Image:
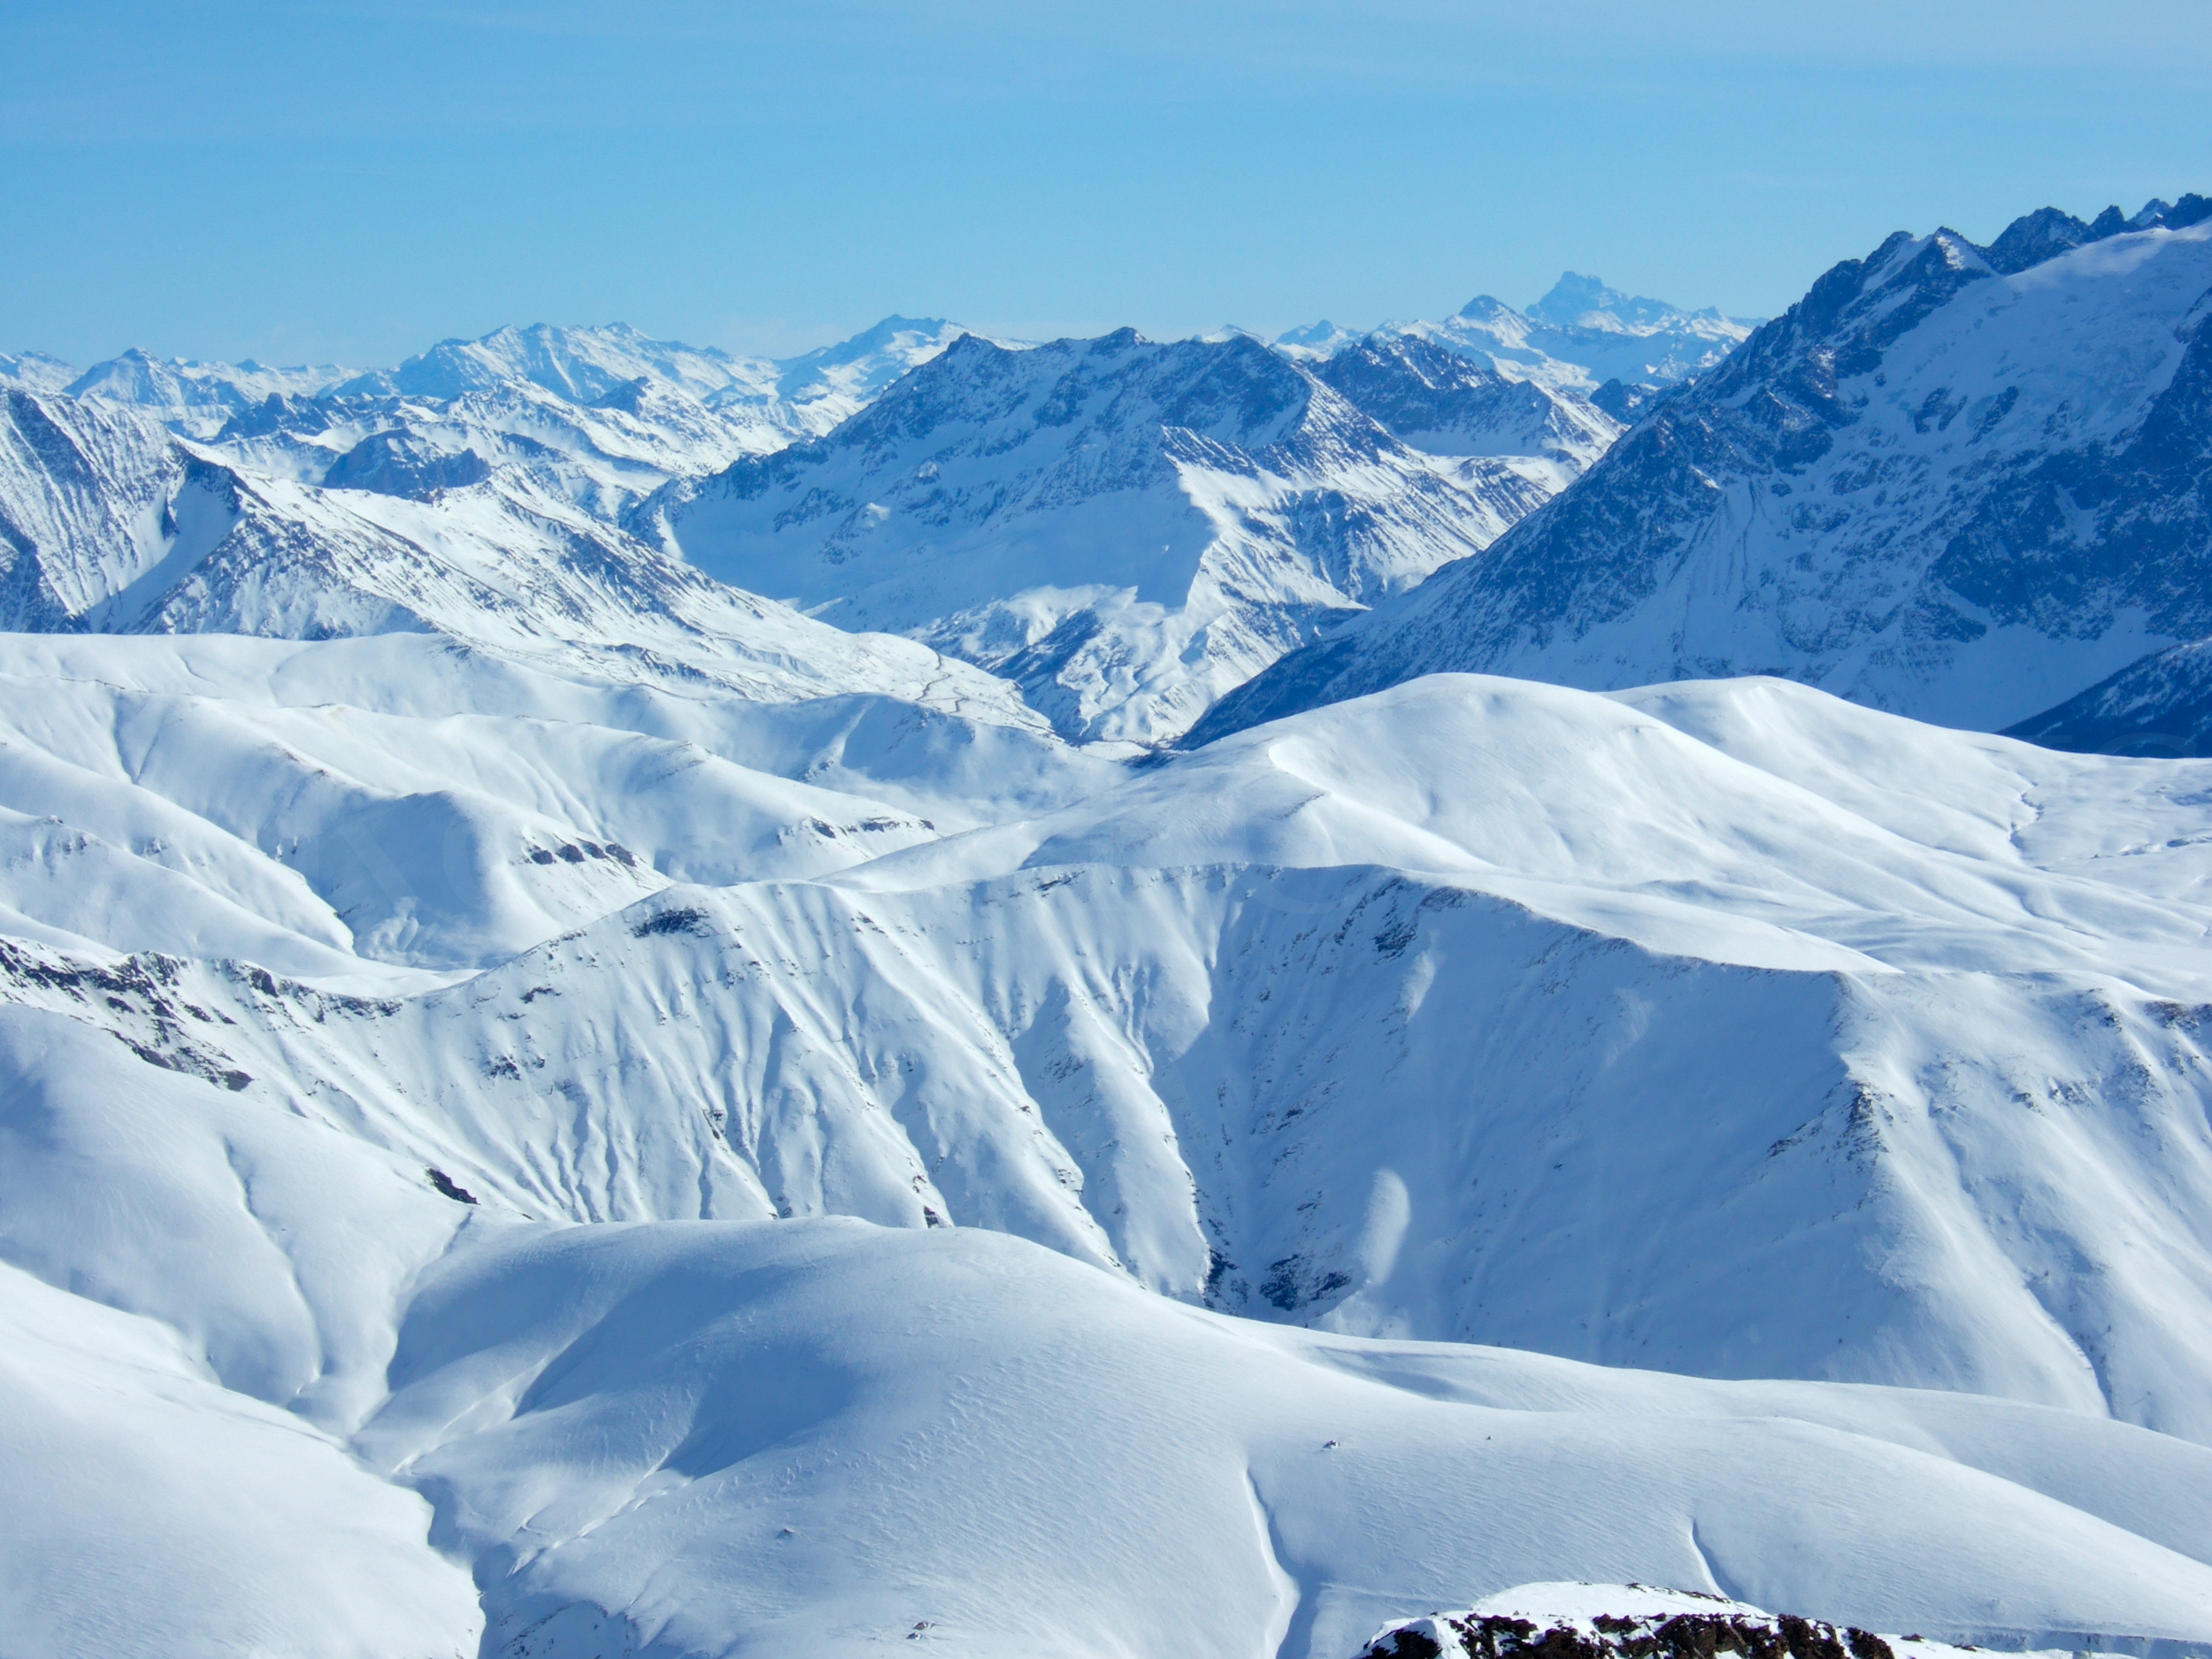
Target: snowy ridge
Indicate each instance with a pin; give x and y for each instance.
(1957, 494)
(1006, 505)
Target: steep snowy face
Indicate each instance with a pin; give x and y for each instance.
(1122, 528)
(86, 504)
(1930, 488)
(2160, 705)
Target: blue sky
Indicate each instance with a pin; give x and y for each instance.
(351, 181)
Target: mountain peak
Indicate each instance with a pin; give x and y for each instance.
(1576, 298)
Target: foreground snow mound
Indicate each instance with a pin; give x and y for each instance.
(697, 1437)
(1128, 529)
(195, 1310)
(1960, 490)
(710, 1437)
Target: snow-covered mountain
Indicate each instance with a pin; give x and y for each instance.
(1932, 486)
(1143, 1019)
(34, 371)
(1126, 529)
(114, 527)
(195, 398)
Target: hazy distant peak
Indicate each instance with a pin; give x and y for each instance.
(1576, 299)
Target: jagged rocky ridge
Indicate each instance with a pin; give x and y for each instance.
(1933, 486)
(1681, 1636)
(1126, 529)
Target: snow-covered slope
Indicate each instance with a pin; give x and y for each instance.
(1934, 487)
(1958, 1140)
(1126, 529)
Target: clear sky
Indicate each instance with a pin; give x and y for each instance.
(348, 183)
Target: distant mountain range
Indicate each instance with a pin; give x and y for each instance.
(1617, 349)
(1952, 482)
(1282, 491)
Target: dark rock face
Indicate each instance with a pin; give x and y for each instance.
(1679, 1636)
(1785, 515)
